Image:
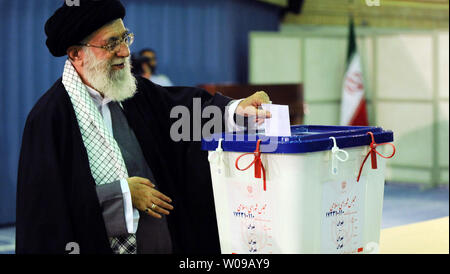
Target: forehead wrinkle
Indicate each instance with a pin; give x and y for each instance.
(110, 31)
(116, 35)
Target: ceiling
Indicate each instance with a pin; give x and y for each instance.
(423, 14)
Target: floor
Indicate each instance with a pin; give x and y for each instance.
(428, 237)
(403, 205)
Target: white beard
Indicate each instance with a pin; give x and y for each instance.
(117, 85)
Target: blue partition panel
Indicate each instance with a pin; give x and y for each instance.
(197, 41)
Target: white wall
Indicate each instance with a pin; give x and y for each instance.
(406, 83)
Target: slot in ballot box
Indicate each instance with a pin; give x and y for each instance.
(317, 191)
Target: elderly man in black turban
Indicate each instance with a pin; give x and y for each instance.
(99, 171)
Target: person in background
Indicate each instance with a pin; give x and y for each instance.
(140, 66)
(159, 79)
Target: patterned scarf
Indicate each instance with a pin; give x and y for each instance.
(105, 159)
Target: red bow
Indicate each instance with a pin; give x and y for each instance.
(257, 162)
(373, 153)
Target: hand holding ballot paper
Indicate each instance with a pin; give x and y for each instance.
(249, 107)
(271, 117)
(279, 124)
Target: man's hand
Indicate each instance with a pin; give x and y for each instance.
(249, 107)
(144, 196)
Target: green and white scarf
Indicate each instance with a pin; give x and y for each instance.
(105, 159)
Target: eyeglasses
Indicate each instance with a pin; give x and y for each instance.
(127, 38)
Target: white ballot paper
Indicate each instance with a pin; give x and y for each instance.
(278, 124)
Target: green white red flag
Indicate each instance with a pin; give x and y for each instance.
(353, 103)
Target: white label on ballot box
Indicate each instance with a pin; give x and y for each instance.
(342, 216)
(252, 222)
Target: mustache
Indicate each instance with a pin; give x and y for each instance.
(119, 61)
(94, 63)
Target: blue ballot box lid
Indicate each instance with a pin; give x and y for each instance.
(305, 138)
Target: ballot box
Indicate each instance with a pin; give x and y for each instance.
(319, 190)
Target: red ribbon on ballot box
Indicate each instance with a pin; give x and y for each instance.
(257, 162)
(259, 167)
(373, 153)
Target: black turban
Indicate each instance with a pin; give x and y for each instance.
(69, 25)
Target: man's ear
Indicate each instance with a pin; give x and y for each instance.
(75, 54)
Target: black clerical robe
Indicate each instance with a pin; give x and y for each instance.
(56, 196)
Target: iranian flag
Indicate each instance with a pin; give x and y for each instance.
(353, 104)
